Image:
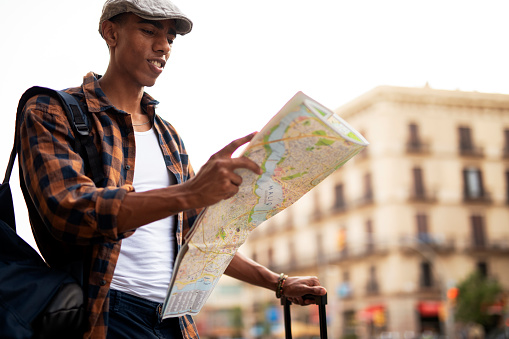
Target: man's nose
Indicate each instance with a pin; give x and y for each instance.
(163, 45)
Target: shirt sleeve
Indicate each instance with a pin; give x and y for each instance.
(72, 207)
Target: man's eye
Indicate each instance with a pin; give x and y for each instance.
(147, 31)
(170, 41)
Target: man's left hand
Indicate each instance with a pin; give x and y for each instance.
(295, 287)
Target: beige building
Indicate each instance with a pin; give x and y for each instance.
(422, 207)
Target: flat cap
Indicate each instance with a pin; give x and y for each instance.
(147, 9)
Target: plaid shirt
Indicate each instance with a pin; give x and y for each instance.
(67, 199)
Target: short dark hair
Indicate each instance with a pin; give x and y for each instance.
(119, 19)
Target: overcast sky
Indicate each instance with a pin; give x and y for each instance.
(245, 59)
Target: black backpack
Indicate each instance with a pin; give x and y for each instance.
(38, 301)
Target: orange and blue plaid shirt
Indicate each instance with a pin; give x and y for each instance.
(79, 212)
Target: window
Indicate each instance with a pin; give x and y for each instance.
(413, 130)
(465, 139)
(478, 232)
(368, 192)
(426, 274)
(292, 259)
(344, 288)
(418, 183)
(507, 187)
(346, 276)
(320, 254)
(339, 201)
(350, 324)
(317, 214)
(466, 145)
(422, 228)
(472, 182)
(506, 143)
(414, 142)
(482, 268)
(288, 223)
(372, 285)
(370, 242)
(270, 256)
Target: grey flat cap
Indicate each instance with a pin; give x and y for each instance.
(147, 9)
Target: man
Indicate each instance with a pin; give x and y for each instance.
(127, 233)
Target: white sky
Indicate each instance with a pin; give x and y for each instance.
(245, 59)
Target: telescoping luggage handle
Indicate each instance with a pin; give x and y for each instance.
(320, 300)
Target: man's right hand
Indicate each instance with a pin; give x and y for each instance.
(216, 180)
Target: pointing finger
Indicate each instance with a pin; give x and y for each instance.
(229, 149)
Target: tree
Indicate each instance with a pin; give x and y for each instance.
(475, 294)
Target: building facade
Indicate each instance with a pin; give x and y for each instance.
(390, 232)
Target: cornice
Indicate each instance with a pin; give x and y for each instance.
(424, 96)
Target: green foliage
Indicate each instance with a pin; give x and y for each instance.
(476, 293)
(237, 323)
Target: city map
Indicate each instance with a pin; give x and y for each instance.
(298, 148)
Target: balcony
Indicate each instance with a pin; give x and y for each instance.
(372, 287)
(417, 147)
(360, 252)
(495, 246)
(505, 152)
(365, 200)
(339, 208)
(471, 151)
(422, 196)
(482, 198)
(426, 242)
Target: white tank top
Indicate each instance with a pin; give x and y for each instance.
(145, 263)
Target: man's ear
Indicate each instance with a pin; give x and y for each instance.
(109, 33)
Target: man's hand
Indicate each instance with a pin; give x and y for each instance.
(216, 180)
(295, 287)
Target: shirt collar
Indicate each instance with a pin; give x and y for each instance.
(97, 100)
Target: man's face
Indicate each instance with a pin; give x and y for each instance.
(143, 48)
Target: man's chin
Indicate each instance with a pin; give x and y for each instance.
(149, 83)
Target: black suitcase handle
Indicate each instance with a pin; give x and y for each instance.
(320, 300)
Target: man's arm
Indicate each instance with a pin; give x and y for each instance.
(214, 182)
(247, 270)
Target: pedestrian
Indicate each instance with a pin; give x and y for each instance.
(127, 231)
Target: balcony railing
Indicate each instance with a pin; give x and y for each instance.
(339, 208)
(505, 152)
(361, 251)
(472, 151)
(372, 287)
(484, 198)
(482, 245)
(418, 147)
(422, 196)
(430, 241)
(365, 200)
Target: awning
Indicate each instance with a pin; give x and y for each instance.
(429, 308)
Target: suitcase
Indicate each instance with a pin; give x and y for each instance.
(320, 301)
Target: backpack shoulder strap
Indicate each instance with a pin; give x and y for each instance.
(79, 123)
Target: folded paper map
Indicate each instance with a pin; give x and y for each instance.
(298, 148)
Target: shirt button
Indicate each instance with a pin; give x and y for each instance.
(127, 167)
(102, 283)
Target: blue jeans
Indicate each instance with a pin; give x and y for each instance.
(134, 317)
